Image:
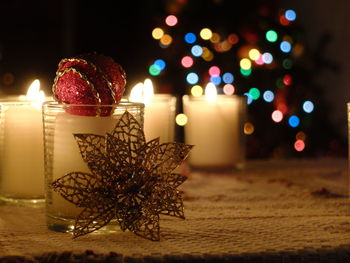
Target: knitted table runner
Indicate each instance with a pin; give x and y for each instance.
(289, 210)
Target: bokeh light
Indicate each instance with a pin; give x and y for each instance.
(300, 136)
(196, 50)
(287, 63)
(215, 38)
(187, 61)
(308, 106)
(228, 78)
(192, 78)
(197, 91)
(290, 15)
(271, 36)
(181, 119)
(228, 89)
(157, 33)
(285, 46)
(233, 39)
(246, 72)
(248, 128)
(190, 38)
(214, 71)
(245, 64)
(166, 40)
(160, 63)
(268, 96)
(206, 33)
(277, 116)
(260, 60)
(254, 54)
(249, 98)
(254, 93)
(294, 121)
(154, 70)
(216, 80)
(267, 58)
(171, 20)
(299, 145)
(287, 80)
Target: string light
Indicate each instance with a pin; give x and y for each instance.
(299, 145)
(277, 116)
(181, 119)
(192, 78)
(290, 15)
(157, 33)
(196, 50)
(187, 62)
(293, 121)
(197, 91)
(228, 78)
(171, 20)
(229, 89)
(206, 33)
(190, 38)
(308, 106)
(268, 96)
(271, 36)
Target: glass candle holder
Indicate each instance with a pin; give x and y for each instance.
(21, 152)
(160, 118)
(62, 154)
(216, 130)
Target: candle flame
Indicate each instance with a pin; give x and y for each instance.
(34, 93)
(210, 92)
(142, 92)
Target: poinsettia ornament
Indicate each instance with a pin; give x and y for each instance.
(131, 180)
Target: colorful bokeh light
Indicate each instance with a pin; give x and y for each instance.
(245, 64)
(254, 93)
(197, 50)
(249, 128)
(246, 72)
(268, 96)
(267, 58)
(249, 98)
(294, 121)
(299, 145)
(216, 80)
(214, 71)
(290, 15)
(277, 116)
(192, 78)
(285, 46)
(254, 54)
(228, 78)
(206, 33)
(228, 89)
(171, 20)
(308, 106)
(181, 119)
(160, 63)
(190, 38)
(187, 61)
(166, 40)
(197, 91)
(287, 80)
(157, 33)
(271, 36)
(154, 70)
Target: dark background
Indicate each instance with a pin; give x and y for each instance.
(36, 35)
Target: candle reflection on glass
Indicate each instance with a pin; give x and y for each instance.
(21, 147)
(215, 127)
(159, 118)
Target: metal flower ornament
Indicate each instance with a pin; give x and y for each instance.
(131, 181)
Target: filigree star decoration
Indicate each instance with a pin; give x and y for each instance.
(131, 181)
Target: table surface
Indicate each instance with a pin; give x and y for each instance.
(273, 210)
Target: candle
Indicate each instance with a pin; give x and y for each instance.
(215, 127)
(21, 148)
(62, 154)
(159, 111)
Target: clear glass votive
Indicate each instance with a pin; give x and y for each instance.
(160, 118)
(62, 154)
(216, 130)
(21, 153)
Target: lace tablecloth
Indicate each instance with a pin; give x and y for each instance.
(273, 211)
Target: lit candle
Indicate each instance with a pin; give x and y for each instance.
(215, 127)
(21, 147)
(159, 111)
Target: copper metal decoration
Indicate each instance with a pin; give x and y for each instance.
(131, 180)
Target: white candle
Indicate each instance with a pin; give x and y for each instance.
(215, 127)
(21, 148)
(62, 153)
(67, 156)
(159, 120)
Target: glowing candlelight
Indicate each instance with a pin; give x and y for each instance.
(159, 111)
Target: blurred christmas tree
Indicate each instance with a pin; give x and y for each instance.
(256, 49)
